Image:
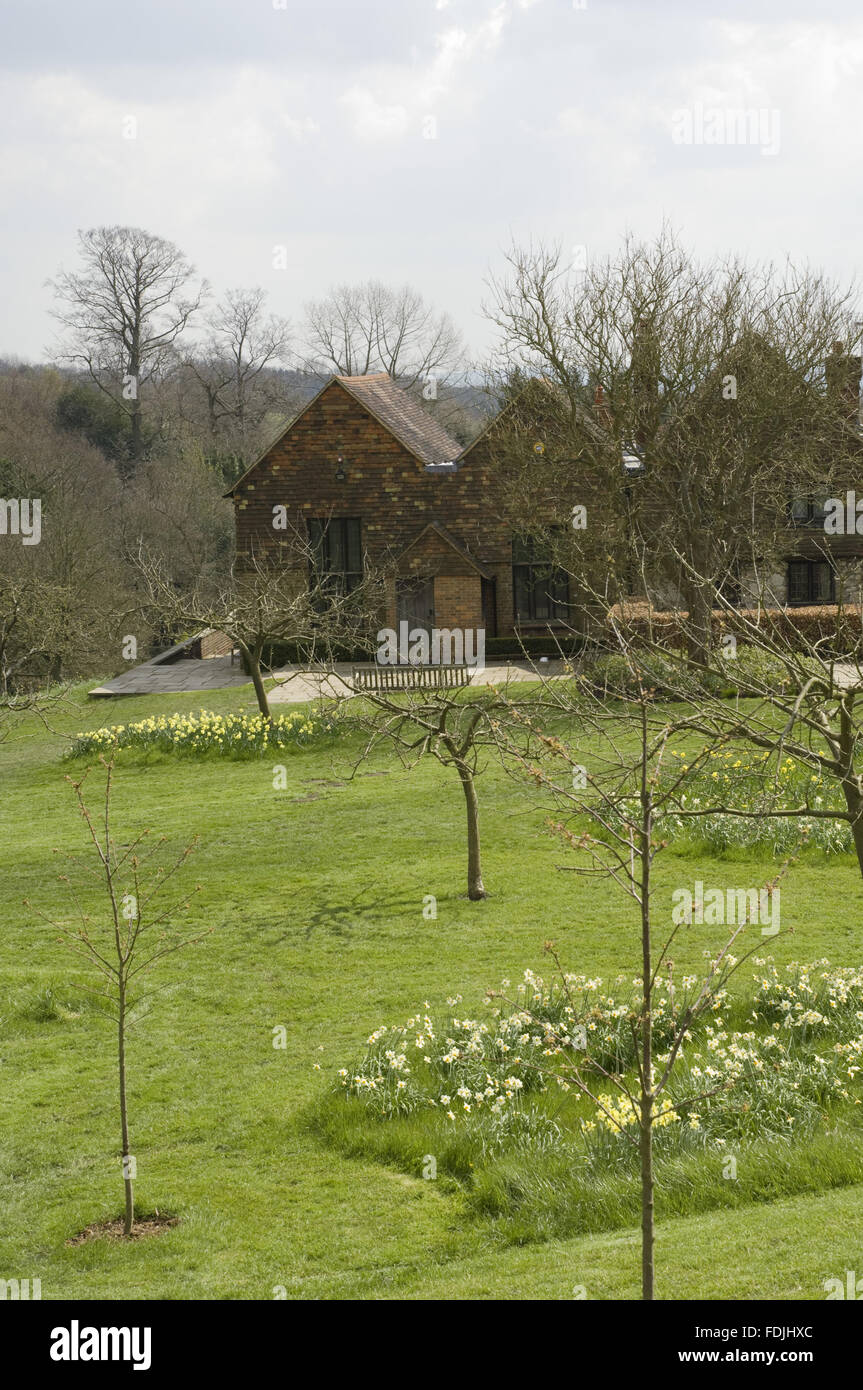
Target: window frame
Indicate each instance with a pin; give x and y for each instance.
(527, 559)
(815, 510)
(810, 601)
(342, 580)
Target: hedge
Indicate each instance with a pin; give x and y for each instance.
(841, 628)
(298, 654)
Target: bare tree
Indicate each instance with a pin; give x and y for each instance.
(372, 327)
(798, 678)
(64, 592)
(268, 600)
(175, 508)
(135, 937)
(124, 312)
(690, 398)
(609, 773)
(427, 719)
(35, 631)
(233, 365)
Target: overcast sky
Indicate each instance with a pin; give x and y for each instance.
(413, 140)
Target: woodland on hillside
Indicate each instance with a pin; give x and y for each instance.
(157, 393)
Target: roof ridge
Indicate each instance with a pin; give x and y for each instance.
(403, 417)
(420, 434)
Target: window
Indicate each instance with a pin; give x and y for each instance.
(810, 510)
(337, 556)
(540, 588)
(810, 581)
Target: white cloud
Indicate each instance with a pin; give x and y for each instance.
(373, 119)
(306, 129)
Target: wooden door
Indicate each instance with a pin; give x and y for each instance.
(415, 603)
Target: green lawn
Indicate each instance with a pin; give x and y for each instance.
(315, 897)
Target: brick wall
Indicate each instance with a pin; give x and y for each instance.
(388, 489)
(458, 601)
(395, 499)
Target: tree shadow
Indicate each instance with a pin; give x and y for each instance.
(342, 919)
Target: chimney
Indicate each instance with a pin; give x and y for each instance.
(600, 407)
(842, 372)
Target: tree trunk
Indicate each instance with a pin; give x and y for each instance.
(854, 802)
(851, 788)
(253, 661)
(475, 889)
(136, 447)
(124, 1119)
(648, 1234)
(699, 632)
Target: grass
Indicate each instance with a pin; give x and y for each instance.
(315, 894)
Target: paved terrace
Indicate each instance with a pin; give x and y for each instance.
(295, 684)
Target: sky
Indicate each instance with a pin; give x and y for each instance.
(414, 141)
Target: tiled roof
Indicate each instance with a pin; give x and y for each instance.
(403, 416)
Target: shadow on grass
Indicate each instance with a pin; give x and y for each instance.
(309, 917)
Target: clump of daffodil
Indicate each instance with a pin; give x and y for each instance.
(800, 1054)
(237, 735)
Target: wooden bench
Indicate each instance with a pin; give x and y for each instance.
(375, 677)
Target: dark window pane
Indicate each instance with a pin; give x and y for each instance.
(353, 549)
(540, 590)
(798, 584)
(337, 552)
(541, 604)
(821, 582)
(810, 581)
(316, 540)
(521, 587)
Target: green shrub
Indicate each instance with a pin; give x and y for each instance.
(752, 671)
(278, 654)
(666, 675)
(531, 647)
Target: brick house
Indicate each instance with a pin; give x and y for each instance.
(369, 477)
(364, 471)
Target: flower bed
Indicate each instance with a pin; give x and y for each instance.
(745, 782)
(799, 1057)
(238, 735)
